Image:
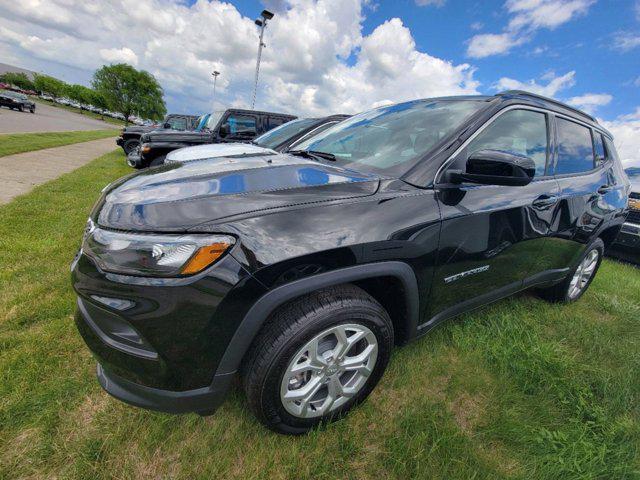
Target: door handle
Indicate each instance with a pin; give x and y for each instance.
(604, 189)
(545, 200)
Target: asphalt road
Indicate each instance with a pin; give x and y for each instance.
(47, 119)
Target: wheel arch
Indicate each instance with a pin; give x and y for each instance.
(366, 276)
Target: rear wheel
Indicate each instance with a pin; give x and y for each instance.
(578, 281)
(318, 356)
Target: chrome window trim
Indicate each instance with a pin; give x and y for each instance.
(445, 164)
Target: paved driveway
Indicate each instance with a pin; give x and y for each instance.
(47, 119)
(21, 172)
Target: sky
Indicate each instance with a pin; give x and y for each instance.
(346, 56)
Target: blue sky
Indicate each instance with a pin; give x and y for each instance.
(326, 56)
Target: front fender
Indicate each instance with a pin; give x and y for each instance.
(265, 305)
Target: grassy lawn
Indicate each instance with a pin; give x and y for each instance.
(97, 116)
(27, 142)
(521, 389)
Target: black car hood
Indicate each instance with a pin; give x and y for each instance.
(180, 196)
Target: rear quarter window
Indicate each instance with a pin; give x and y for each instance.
(575, 148)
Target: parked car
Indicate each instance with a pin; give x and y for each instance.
(17, 101)
(129, 138)
(627, 245)
(232, 125)
(277, 140)
(300, 272)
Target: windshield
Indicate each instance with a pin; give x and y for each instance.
(214, 118)
(276, 136)
(389, 140)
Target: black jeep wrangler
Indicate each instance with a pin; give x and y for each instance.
(299, 272)
(232, 125)
(129, 138)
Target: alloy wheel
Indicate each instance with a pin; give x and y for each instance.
(328, 370)
(584, 273)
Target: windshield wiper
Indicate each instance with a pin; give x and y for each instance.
(314, 154)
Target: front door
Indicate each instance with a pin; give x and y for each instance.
(493, 237)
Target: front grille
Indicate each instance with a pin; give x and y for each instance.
(634, 216)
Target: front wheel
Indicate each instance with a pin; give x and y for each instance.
(21, 108)
(577, 282)
(317, 357)
(130, 145)
(32, 109)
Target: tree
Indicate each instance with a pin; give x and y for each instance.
(20, 80)
(130, 91)
(50, 85)
(80, 94)
(97, 100)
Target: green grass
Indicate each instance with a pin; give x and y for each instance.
(97, 116)
(27, 142)
(521, 389)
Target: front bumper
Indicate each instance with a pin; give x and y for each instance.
(120, 141)
(158, 342)
(201, 400)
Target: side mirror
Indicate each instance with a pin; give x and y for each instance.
(495, 167)
(224, 130)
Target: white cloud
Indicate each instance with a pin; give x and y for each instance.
(119, 55)
(590, 102)
(553, 86)
(526, 17)
(487, 44)
(626, 41)
(316, 61)
(626, 132)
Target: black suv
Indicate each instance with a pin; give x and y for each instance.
(17, 101)
(299, 272)
(232, 125)
(129, 138)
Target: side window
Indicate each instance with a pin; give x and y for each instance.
(177, 123)
(241, 125)
(522, 132)
(575, 149)
(612, 154)
(598, 148)
(273, 122)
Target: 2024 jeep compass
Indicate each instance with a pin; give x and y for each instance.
(299, 272)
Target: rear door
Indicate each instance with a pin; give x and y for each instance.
(493, 237)
(590, 193)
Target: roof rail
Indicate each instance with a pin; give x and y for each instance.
(547, 99)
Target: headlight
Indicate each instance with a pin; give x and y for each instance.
(153, 255)
(145, 148)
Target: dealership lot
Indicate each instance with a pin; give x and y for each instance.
(519, 389)
(47, 119)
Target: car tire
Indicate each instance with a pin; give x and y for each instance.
(20, 108)
(319, 319)
(32, 109)
(130, 145)
(580, 277)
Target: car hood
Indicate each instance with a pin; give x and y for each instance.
(179, 196)
(216, 150)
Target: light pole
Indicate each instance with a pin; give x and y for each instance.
(215, 74)
(262, 23)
